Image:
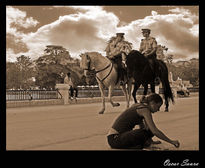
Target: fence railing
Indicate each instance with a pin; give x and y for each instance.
(13, 95)
(95, 92)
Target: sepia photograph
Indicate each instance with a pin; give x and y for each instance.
(103, 78)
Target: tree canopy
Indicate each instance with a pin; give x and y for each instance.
(51, 68)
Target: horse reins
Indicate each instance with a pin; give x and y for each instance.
(101, 80)
(95, 72)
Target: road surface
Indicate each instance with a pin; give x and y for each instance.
(80, 127)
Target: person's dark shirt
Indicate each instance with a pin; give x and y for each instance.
(129, 119)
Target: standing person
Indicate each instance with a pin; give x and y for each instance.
(148, 48)
(122, 135)
(68, 80)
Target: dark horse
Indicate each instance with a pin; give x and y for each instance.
(139, 69)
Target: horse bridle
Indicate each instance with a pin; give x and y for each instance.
(95, 72)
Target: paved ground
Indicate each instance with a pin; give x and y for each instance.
(80, 127)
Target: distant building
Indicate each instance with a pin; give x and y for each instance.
(187, 84)
(191, 62)
(194, 62)
(182, 63)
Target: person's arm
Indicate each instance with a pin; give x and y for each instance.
(142, 125)
(151, 52)
(151, 125)
(140, 49)
(65, 80)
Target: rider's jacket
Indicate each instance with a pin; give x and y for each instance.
(148, 45)
(114, 48)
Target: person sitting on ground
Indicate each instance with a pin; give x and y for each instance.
(122, 134)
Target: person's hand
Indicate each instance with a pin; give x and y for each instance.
(176, 143)
(143, 52)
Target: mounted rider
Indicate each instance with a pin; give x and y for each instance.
(117, 45)
(148, 48)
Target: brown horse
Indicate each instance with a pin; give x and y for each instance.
(105, 73)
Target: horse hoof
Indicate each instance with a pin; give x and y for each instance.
(166, 110)
(116, 104)
(101, 112)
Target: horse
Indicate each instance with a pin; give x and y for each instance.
(139, 70)
(106, 75)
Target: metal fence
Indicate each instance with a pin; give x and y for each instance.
(12, 95)
(95, 92)
(87, 92)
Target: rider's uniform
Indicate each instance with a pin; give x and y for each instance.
(148, 45)
(114, 48)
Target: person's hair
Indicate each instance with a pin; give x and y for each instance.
(152, 97)
(68, 74)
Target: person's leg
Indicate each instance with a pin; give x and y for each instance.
(113, 142)
(71, 91)
(134, 139)
(76, 92)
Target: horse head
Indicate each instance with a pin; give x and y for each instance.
(85, 63)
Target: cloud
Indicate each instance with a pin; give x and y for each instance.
(91, 27)
(16, 19)
(15, 43)
(179, 31)
(76, 32)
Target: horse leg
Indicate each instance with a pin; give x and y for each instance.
(123, 87)
(110, 97)
(166, 105)
(136, 86)
(166, 102)
(129, 87)
(145, 91)
(103, 98)
(152, 87)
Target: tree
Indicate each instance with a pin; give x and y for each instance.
(169, 58)
(189, 72)
(19, 74)
(12, 76)
(25, 68)
(50, 67)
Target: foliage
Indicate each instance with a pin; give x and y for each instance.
(19, 74)
(189, 72)
(52, 68)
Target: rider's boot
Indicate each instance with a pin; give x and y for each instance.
(156, 74)
(123, 75)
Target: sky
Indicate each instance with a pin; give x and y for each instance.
(29, 29)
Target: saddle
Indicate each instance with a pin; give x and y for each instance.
(120, 68)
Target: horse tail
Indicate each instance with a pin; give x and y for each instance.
(165, 82)
(167, 90)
